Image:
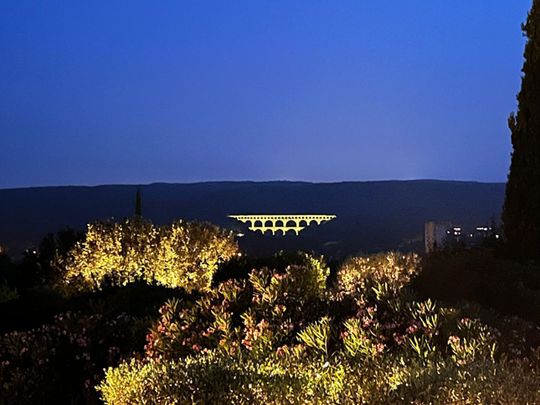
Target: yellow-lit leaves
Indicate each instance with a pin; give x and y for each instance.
(182, 255)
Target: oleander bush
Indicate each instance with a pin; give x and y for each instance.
(297, 377)
(181, 255)
(240, 267)
(268, 308)
(283, 337)
(61, 361)
(357, 274)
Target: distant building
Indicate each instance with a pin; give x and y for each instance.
(483, 233)
(455, 239)
(444, 235)
(435, 234)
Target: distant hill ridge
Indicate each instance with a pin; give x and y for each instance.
(371, 216)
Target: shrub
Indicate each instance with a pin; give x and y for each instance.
(359, 274)
(274, 338)
(258, 313)
(212, 378)
(182, 255)
(188, 254)
(6, 293)
(511, 288)
(60, 362)
(240, 267)
(186, 327)
(299, 378)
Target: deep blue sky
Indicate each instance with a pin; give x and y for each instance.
(134, 92)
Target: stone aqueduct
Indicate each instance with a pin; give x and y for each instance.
(281, 223)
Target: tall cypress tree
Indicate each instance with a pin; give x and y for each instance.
(521, 215)
(138, 204)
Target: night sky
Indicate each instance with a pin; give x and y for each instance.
(102, 92)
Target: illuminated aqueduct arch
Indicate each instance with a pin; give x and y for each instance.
(283, 223)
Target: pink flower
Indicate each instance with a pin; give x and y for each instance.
(412, 329)
(453, 340)
(281, 351)
(399, 339)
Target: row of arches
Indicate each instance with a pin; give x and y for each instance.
(277, 231)
(282, 223)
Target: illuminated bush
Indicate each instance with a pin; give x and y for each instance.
(280, 337)
(213, 378)
(359, 273)
(297, 378)
(188, 254)
(189, 327)
(258, 314)
(182, 255)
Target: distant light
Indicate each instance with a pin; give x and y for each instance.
(497, 236)
(240, 235)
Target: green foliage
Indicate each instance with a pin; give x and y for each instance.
(475, 342)
(186, 327)
(210, 379)
(298, 283)
(317, 335)
(181, 255)
(521, 216)
(61, 361)
(6, 293)
(267, 340)
(298, 379)
(240, 267)
(358, 274)
(422, 346)
(258, 314)
(359, 342)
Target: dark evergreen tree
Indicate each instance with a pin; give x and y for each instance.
(521, 215)
(138, 204)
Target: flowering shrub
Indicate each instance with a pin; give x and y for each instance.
(186, 327)
(60, 362)
(300, 378)
(182, 255)
(257, 314)
(358, 274)
(282, 337)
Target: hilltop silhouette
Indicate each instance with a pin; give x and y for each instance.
(371, 216)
